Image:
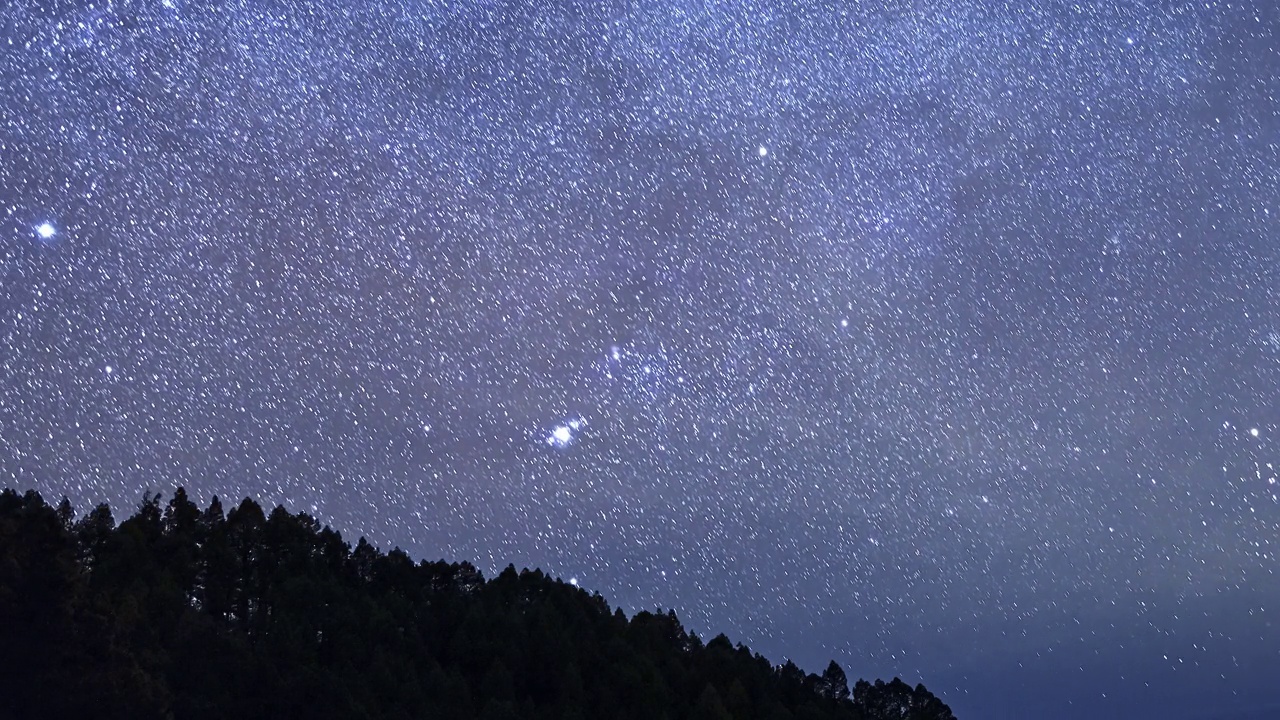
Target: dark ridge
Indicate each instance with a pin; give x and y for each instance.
(186, 613)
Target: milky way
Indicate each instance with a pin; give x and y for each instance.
(938, 337)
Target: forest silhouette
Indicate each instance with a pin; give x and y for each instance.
(179, 612)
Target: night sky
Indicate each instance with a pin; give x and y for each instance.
(939, 337)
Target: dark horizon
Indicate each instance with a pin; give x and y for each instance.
(939, 337)
(209, 613)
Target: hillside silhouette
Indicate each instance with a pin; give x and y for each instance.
(179, 612)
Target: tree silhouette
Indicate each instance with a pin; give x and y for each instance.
(833, 684)
(897, 700)
(185, 613)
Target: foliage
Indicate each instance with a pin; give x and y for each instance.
(184, 613)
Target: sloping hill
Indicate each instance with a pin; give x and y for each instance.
(186, 613)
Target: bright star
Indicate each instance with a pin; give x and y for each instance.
(563, 435)
(46, 230)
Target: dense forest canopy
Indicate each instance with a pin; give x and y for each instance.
(179, 612)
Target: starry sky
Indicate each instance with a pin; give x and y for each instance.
(939, 337)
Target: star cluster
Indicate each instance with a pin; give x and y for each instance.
(941, 337)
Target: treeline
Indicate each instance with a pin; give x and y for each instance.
(185, 613)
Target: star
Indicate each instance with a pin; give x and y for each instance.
(563, 435)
